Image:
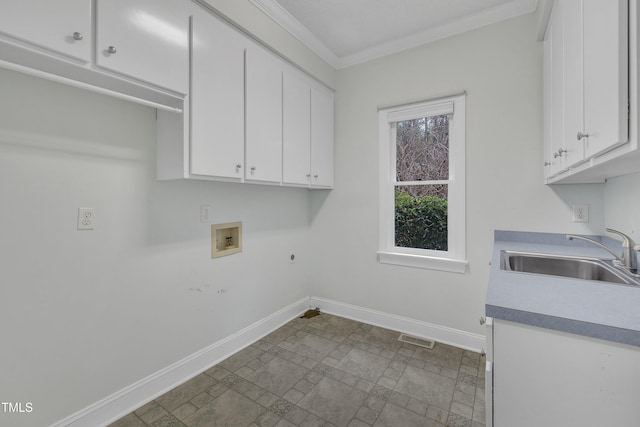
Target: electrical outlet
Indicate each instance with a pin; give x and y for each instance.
(86, 218)
(580, 213)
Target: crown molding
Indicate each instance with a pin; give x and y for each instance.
(545, 7)
(481, 19)
(281, 16)
(490, 16)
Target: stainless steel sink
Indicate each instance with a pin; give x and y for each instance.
(564, 266)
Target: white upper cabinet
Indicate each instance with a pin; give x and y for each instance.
(307, 146)
(553, 99)
(571, 88)
(263, 143)
(586, 85)
(145, 39)
(63, 26)
(321, 138)
(217, 98)
(296, 142)
(606, 97)
(228, 108)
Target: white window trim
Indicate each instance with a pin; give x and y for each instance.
(453, 260)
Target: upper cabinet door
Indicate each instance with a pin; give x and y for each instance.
(606, 87)
(217, 98)
(63, 26)
(572, 85)
(296, 142)
(321, 138)
(548, 99)
(263, 147)
(586, 79)
(145, 39)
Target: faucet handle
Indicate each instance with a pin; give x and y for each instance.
(627, 242)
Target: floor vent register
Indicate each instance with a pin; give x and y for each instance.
(416, 341)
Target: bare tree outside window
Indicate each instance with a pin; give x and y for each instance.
(421, 198)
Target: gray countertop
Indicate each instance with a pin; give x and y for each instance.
(594, 309)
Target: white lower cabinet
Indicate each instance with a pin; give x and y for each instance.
(541, 377)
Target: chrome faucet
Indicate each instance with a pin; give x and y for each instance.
(628, 258)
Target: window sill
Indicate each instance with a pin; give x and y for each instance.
(421, 261)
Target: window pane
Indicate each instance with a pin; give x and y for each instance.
(422, 149)
(421, 216)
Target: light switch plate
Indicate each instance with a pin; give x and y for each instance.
(205, 213)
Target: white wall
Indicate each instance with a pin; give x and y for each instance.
(87, 313)
(500, 68)
(622, 205)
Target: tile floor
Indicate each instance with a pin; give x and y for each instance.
(328, 371)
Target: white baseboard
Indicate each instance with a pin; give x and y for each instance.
(128, 399)
(443, 334)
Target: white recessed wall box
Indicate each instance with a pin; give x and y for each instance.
(226, 239)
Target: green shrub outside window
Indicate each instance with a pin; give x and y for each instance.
(420, 221)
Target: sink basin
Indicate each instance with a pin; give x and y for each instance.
(563, 266)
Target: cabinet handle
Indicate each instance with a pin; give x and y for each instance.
(112, 50)
(253, 169)
(308, 176)
(560, 152)
(77, 36)
(238, 167)
(547, 163)
(483, 320)
(581, 135)
(315, 176)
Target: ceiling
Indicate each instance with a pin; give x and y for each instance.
(348, 32)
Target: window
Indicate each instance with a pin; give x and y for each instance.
(422, 184)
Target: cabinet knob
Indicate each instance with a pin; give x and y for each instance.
(581, 135)
(253, 169)
(112, 50)
(483, 320)
(315, 176)
(77, 36)
(560, 152)
(238, 167)
(547, 163)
